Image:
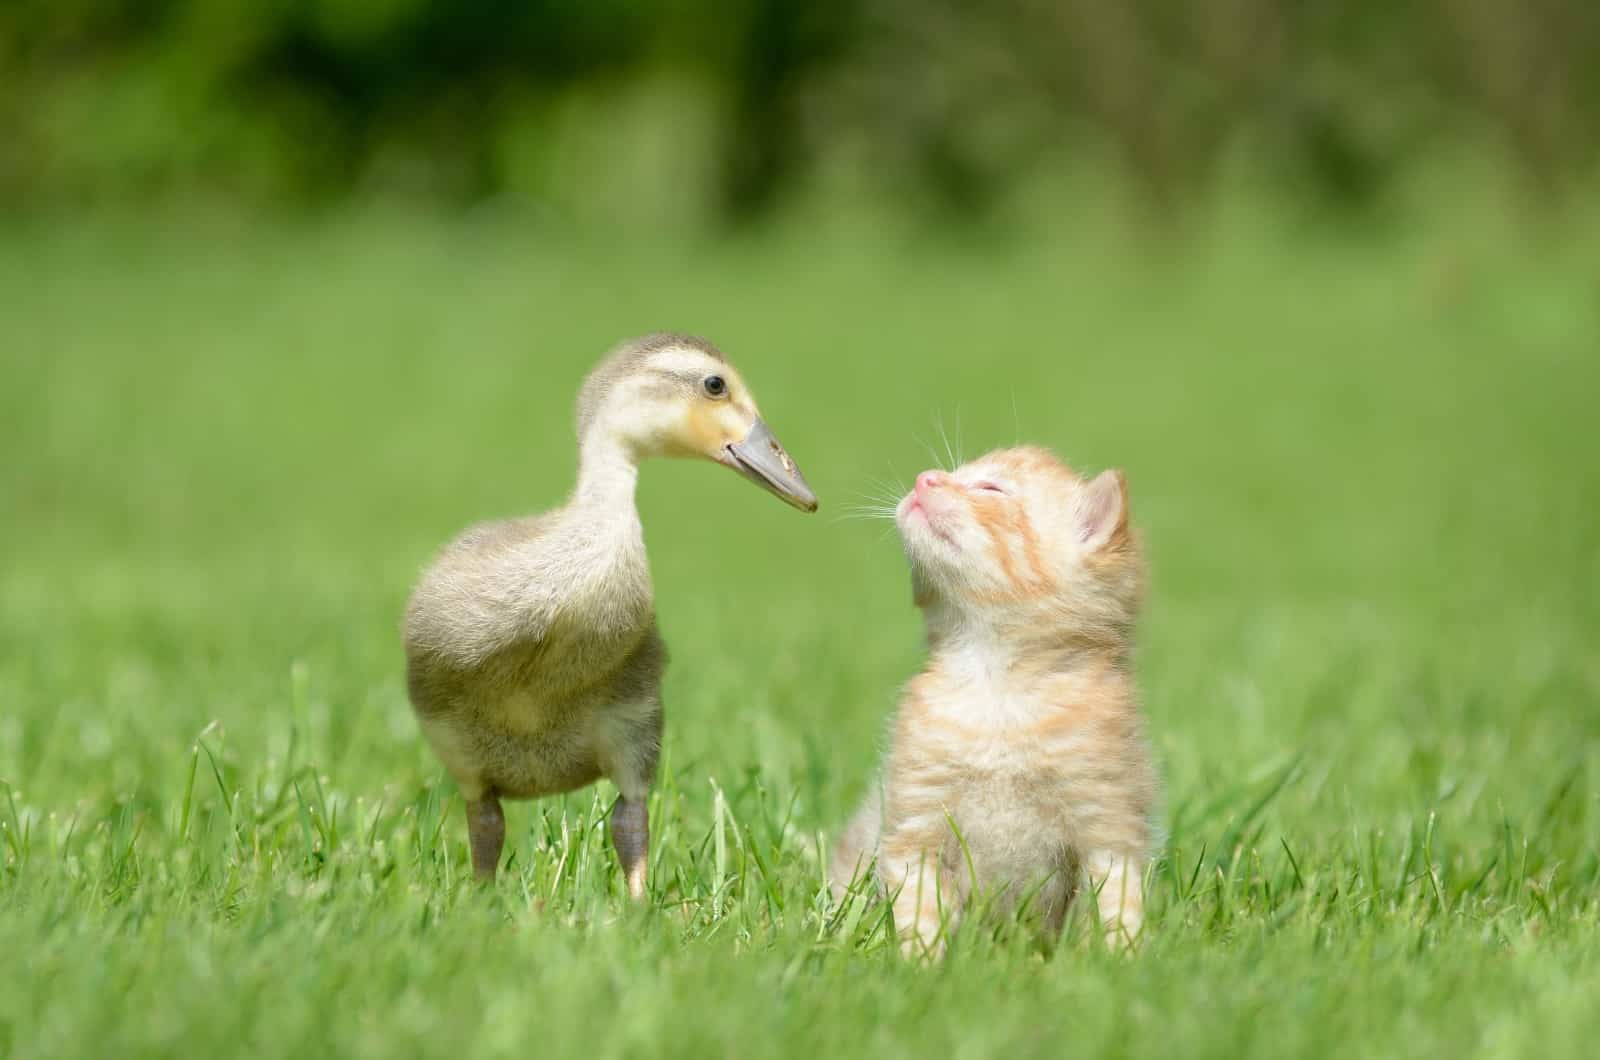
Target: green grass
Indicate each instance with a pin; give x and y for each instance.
(1366, 466)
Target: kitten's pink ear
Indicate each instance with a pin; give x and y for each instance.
(1103, 510)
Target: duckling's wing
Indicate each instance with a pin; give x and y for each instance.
(495, 585)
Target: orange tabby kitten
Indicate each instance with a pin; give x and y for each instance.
(1016, 762)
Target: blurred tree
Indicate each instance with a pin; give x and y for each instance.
(459, 100)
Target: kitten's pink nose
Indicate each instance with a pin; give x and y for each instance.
(929, 480)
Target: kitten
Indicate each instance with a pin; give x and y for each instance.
(1022, 731)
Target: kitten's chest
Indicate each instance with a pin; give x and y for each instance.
(992, 711)
(1003, 781)
(1010, 741)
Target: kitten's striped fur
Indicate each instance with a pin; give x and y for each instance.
(1019, 746)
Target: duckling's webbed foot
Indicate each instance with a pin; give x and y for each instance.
(486, 831)
(630, 834)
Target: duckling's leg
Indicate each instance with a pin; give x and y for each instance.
(630, 743)
(630, 834)
(486, 831)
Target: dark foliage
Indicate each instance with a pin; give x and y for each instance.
(461, 100)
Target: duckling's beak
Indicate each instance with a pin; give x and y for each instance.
(762, 459)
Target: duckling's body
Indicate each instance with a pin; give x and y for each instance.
(526, 637)
(533, 658)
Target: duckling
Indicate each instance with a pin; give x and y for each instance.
(533, 660)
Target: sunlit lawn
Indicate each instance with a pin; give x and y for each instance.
(1365, 463)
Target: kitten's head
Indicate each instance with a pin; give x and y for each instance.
(1017, 534)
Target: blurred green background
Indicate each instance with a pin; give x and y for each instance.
(292, 292)
(695, 112)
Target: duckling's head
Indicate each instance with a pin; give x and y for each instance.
(677, 395)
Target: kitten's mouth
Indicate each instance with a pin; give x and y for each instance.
(916, 507)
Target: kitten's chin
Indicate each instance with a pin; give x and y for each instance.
(921, 545)
(931, 554)
(920, 533)
(925, 591)
(934, 578)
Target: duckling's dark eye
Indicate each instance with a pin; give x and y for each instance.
(716, 386)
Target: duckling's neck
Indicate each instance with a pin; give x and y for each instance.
(608, 473)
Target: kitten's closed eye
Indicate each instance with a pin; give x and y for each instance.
(989, 487)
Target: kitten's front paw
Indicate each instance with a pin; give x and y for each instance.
(917, 944)
(922, 932)
(1122, 932)
(1119, 896)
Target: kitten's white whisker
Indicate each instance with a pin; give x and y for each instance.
(886, 491)
(949, 452)
(883, 498)
(870, 508)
